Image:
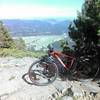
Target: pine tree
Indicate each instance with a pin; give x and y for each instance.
(86, 27)
(84, 31)
(5, 40)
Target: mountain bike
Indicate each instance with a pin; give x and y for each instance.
(46, 69)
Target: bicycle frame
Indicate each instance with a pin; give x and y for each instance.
(57, 55)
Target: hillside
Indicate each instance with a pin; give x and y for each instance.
(37, 27)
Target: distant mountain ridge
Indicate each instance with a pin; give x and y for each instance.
(37, 27)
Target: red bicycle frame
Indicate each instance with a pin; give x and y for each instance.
(69, 58)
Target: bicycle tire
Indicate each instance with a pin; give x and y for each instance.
(89, 68)
(51, 69)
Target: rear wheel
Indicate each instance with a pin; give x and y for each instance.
(42, 72)
(88, 67)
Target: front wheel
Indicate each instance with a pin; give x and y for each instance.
(42, 72)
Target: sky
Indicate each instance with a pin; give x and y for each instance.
(28, 9)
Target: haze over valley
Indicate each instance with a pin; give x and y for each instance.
(35, 27)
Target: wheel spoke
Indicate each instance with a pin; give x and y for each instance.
(42, 73)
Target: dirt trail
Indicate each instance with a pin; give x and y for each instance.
(13, 87)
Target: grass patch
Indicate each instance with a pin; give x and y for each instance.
(20, 53)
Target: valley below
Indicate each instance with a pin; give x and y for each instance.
(40, 43)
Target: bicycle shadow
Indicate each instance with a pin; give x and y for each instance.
(25, 77)
(61, 77)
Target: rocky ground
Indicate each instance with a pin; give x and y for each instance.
(13, 87)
